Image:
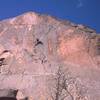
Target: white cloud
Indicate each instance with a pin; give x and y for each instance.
(79, 4)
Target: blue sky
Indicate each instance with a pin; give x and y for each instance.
(85, 12)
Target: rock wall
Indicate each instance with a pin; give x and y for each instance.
(43, 58)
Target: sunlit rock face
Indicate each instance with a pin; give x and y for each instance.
(43, 58)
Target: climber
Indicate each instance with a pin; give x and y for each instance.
(38, 42)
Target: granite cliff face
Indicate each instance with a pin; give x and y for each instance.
(43, 58)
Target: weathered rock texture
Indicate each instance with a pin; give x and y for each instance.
(42, 58)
